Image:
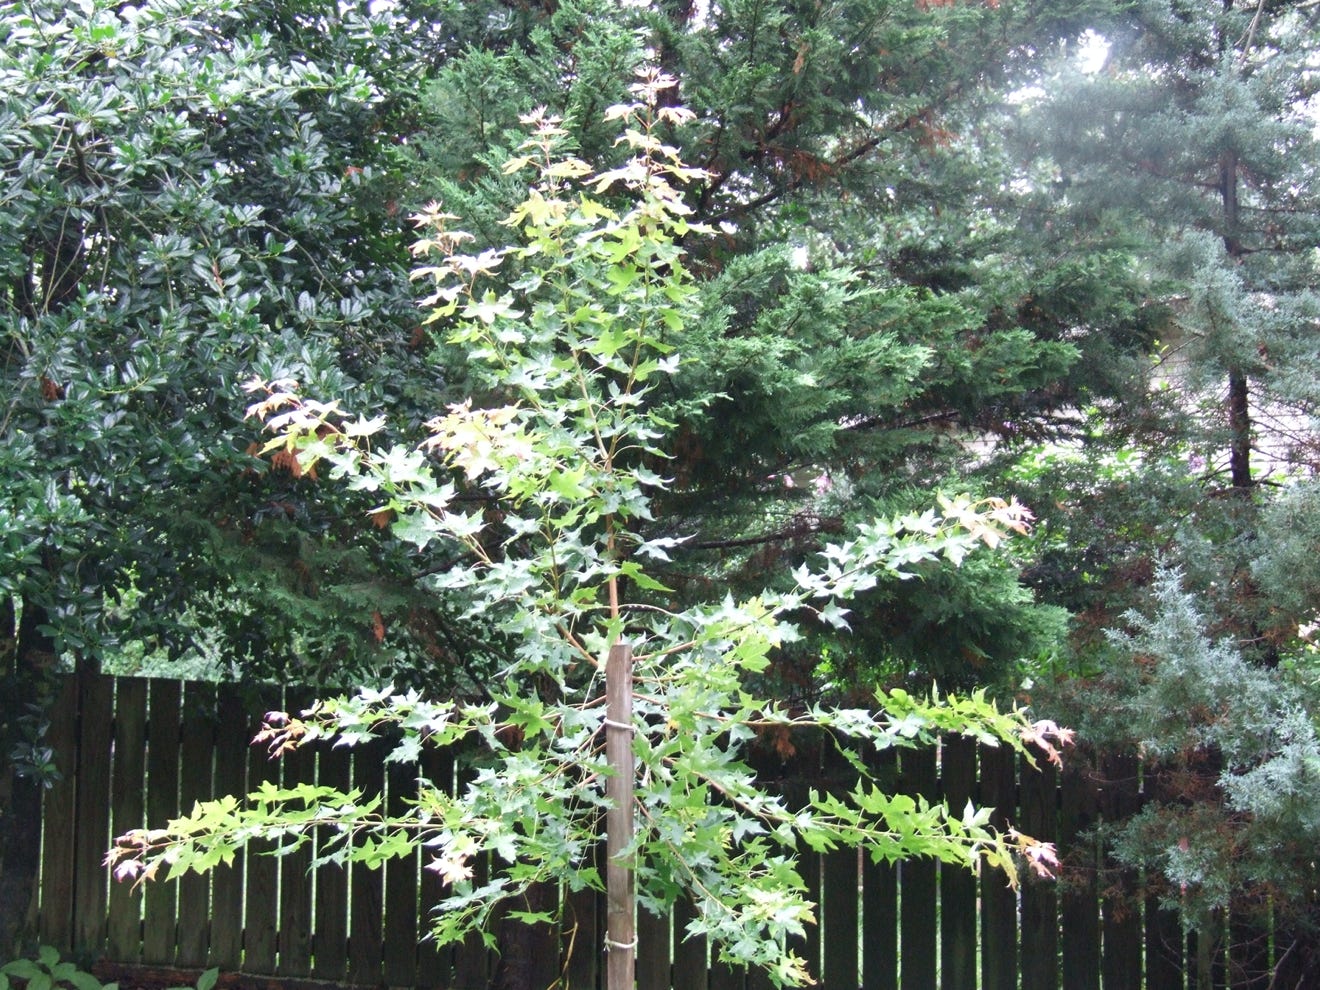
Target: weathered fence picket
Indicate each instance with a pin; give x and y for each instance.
(999, 921)
(1079, 900)
(136, 752)
(366, 911)
(231, 748)
(958, 887)
(401, 903)
(59, 818)
(330, 940)
(918, 887)
(261, 871)
(434, 964)
(653, 961)
(163, 734)
(880, 899)
(92, 838)
(196, 756)
(124, 930)
(1120, 797)
(1039, 956)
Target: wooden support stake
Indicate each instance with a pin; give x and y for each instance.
(620, 930)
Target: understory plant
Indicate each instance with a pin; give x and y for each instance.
(541, 486)
(47, 971)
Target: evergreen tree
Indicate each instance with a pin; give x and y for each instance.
(1199, 133)
(1190, 156)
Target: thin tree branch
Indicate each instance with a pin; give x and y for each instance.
(1249, 36)
(872, 422)
(793, 532)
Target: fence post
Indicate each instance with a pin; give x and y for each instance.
(620, 930)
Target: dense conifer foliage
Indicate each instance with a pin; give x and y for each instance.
(1191, 155)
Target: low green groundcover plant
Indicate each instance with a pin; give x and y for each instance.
(49, 972)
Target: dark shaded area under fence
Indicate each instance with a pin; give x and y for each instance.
(134, 751)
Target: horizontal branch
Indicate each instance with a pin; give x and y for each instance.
(828, 524)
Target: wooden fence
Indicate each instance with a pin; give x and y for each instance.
(134, 751)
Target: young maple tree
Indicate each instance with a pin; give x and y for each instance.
(614, 705)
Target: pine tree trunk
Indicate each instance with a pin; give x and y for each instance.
(1239, 426)
(1239, 407)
